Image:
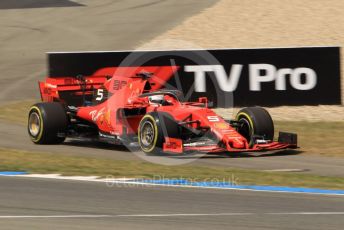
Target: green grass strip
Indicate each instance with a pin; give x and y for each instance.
(18, 160)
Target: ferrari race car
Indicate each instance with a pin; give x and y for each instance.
(129, 110)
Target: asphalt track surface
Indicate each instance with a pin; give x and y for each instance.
(27, 203)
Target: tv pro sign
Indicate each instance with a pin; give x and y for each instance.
(266, 77)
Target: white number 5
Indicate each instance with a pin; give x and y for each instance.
(213, 118)
(100, 94)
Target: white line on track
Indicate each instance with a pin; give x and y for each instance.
(187, 214)
(230, 214)
(171, 215)
(306, 213)
(285, 170)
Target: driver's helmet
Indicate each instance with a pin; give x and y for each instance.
(157, 99)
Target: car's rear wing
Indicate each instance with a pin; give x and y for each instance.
(75, 90)
(70, 90)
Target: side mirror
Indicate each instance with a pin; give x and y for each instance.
(203, 100)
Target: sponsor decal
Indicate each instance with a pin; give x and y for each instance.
(299, 78)
(95, 114)
(117, 85)
(221, 125)
(106, 118)
(101, 116)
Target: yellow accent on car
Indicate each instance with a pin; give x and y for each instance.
(248, 118)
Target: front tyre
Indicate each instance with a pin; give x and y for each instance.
(153, 129)
(255, 121)
(47, 123)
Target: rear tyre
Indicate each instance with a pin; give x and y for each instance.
(153, 129)
(256, 121)
(47, 123)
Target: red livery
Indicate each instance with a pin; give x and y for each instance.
(132, 108)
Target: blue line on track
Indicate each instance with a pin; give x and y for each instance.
(11, 173)
(249, 187)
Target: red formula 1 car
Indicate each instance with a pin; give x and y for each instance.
(129, 109)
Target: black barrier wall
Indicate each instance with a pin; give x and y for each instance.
(265, 77)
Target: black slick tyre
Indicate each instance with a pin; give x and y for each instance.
(256, 121)
(153, 129)
(47, 123)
